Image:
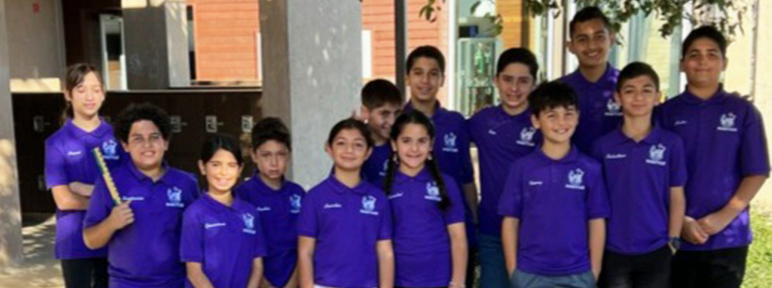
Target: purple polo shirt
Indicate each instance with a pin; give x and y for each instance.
(421, 240)
(724, 141)
(451, 151)
(554, 200)
(346, 223)
(225, 240)
(279, 211)
(69, 159)
(501, 139)
(374, 169)
(146, 252)
(638, 177)
(599, 114)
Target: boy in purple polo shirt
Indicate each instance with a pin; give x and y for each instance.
(381, 104)
(345, 222)
(425, 76)
(430, 246)
(493, 130)
(727, 160)
(595, 80)
(142, 233)
(277, 199)
(222, 236)
(554, 202)
(71, 172)
(645, 171)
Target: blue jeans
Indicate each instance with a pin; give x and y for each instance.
(493, 269)
(521, 279)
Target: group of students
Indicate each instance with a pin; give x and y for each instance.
(585, 181)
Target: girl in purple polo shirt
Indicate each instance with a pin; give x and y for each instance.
(345, 222)
(222, 240)
(277, 199)
(71, 172)
(429, 234)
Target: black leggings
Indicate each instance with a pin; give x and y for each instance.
(85, 273)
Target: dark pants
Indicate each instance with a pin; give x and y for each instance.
(723, 268)
(85, 273)
(650, 270)
(471, 267)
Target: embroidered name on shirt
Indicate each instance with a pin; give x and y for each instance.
(526, 137)
(491, 131)
(679, 122)
(295, 203)
(382, 173)
(175, 197)
(249, 223)
(332, 206)
(74, 153)
(368, 205)
(263, 209)
(575, 179)
(615, 156)
(133, 198)
(213, 225)
(727, 122)
(656, 154)
(450, 143)
(535, 183)
(432, 192)
(396, 195)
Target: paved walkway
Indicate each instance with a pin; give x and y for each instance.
(39, 269)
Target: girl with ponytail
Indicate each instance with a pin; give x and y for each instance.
(429, 235)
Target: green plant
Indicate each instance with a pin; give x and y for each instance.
(757, 271)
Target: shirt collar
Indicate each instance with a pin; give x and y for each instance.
(423, 176)
(79, 133)
(219, 207)
(573, 155)
(525, 114)
(342, 188)
(608, 76)
(262, 187)
(717, 97)
(438, 109)
(142, 177)
(653, 137)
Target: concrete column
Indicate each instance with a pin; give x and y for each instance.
(11, 252)
(312, 62)
(155, 39)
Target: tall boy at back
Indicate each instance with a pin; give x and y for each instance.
(645, 171)
(381, 104)
(595, 80)
(727, 160)
(554, 202)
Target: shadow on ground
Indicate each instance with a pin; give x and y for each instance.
(39, 269)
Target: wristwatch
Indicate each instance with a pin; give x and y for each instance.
(674, 243)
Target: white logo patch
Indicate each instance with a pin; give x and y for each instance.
(108, 150)
(450, 143)
(727, 122)
(249, 223)
(613, 108)
(368, 205)
(175, 197)
(526, 137)
(432, 192)
(575, 179)
(656, 154)
(295, 203)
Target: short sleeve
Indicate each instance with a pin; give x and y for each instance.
(754, 158)
(511, 200)
(385, 231)
(100, 205)
(455, 212)
(192, 238)
(307, 221)
(55, 170)
(597, 197)
(678, 173)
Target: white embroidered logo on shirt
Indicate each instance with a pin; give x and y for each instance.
(74, 153)
(295, 203)
(727, 122)
(108, 150)
(175, 197)
(575, 179)
(368, 205)
(450, 143)
(249, 223)
(656, 154)
(526, 136)
(213, 225)
(613, 108)
(432, 192)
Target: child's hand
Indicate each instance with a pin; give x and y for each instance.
(693, 232)
(714, 223)
(121, 216)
